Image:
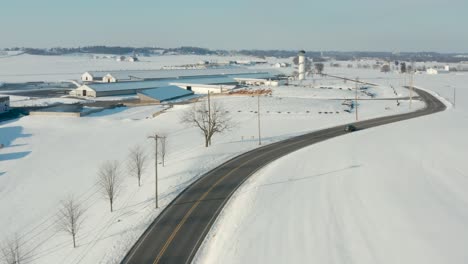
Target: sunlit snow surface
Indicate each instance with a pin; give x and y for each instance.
(392, 194)
(47, 158)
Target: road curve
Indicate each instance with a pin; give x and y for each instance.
(176, 234)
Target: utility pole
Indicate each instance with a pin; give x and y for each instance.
(155, 137)
(411, 88)
(355, 99)
(454, 96)
(258, 111)
(412, 71)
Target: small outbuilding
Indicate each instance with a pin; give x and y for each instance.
(205, 88)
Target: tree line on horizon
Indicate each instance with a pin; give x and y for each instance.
(316, 56)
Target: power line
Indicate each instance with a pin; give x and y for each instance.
(356, 99)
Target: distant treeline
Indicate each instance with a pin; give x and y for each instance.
(117, 50)
(315, 55)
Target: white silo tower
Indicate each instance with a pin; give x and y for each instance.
(302, 65)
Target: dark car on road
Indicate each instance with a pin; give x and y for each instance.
(350, 128)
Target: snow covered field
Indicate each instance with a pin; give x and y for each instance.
(391, 194)
(47, 158)
(26, 68)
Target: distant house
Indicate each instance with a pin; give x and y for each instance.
(132, 59)
(4, 104)
(281, 65)
(162, 94)
(432, 71)
(127, 58)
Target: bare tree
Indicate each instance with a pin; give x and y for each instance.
(210, 120)
(319, 67)
(11, 252)
(137, 162)
(385, 68)
(163, 148)
(110, 181)
(71, 217)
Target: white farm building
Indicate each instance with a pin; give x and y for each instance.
(198, 81)
(112, 89)
(433, 71)
(92, 76)
(142, 75)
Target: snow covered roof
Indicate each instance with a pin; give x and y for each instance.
(167, 74)
(139, 85)
(217, 86)
(120, 86)
(166, 93)
(228, 79)
(96, 74)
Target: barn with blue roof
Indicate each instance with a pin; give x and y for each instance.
(163, 94)
(201, 82)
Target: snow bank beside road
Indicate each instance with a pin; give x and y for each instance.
(368, 197)
(391, 194)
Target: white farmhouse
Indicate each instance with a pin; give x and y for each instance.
(431, 71)
(132, 59)
(4, 104)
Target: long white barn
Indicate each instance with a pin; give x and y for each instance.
(197, 83)
(142, 75)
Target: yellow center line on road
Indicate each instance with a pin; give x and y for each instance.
(184, 219)
(182, 222)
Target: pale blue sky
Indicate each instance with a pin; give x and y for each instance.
(345, 25)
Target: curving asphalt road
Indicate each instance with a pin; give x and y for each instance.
(176, 235)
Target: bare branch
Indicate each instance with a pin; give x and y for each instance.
(71, 217)
(137, 162)
(215, 121)
(110, 181)
(11, 252)
(163, 147)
